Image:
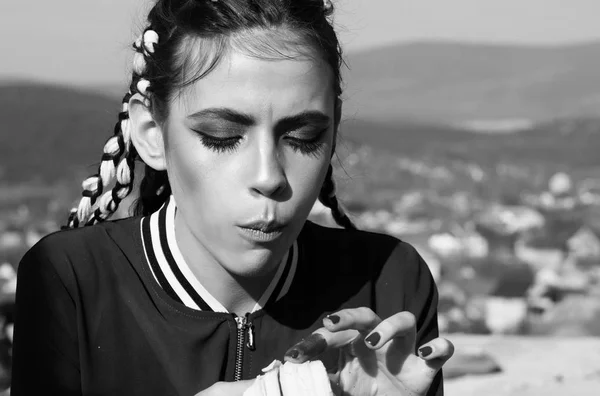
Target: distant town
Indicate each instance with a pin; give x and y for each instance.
(528, 267)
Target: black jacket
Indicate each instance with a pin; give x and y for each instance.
(92, 320)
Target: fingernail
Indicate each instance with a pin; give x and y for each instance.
(292, 353)
(425, 351)
(373, 339)
(334, 319)
(310, 347)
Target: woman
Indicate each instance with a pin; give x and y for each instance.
(234, 108)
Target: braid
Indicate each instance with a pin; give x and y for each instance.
(118, 160)
(328, 198)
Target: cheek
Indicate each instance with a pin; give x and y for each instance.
(183, 164)
(306, 176)
(208, 181)
(192, 170)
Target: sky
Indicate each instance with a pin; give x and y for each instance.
(86, 42)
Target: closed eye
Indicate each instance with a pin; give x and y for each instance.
(219, 145)
(307, 145)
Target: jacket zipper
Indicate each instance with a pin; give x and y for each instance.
(245, 330)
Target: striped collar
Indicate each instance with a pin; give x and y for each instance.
(174, 275)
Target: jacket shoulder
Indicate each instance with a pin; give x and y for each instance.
(356, 241)
(356, 250)
(79, 250)
(64, 243)
(349, 239)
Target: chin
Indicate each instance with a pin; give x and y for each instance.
(255, 263)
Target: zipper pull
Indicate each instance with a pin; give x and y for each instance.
(250, 343)
(241, 322)
(250, 331)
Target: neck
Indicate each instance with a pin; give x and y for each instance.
(236, 293)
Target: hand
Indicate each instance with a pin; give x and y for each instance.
(376, 357)
(221, 388)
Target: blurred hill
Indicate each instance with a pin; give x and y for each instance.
(48, 132)
(380, 162)
(458, 82)
(569, 143)
(407, 99)
(462, 83)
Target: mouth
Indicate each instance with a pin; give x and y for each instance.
(262, 230)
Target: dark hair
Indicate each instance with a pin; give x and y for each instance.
(165, 62)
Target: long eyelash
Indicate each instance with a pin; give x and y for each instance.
(305, 147)
(312, 146)
(220, 145)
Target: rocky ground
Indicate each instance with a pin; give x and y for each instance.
(530, 366)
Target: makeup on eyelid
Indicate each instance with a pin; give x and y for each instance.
(217, 131)
(305, 144)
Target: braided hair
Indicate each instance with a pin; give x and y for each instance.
(118, 158)
(161, 68)
(328, 198)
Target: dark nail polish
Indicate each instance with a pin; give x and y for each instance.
(334, 319)
(373, 339)
(293, 353)
(425, 351)
(308, 348)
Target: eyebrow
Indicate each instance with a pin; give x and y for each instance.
(299, 120)
(225, 114)
(286, 123)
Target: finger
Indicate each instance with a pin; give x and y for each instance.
(403, 324)
(435, 354)
(340, 329)
(362, 319)
(318, 342)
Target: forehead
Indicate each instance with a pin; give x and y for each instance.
(253, 84)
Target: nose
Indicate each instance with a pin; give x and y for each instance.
(268, 174)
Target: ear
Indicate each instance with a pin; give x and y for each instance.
(146, 134)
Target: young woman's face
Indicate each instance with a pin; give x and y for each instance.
(247, 148)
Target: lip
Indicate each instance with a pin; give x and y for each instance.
(266, 226)
(262, 230)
